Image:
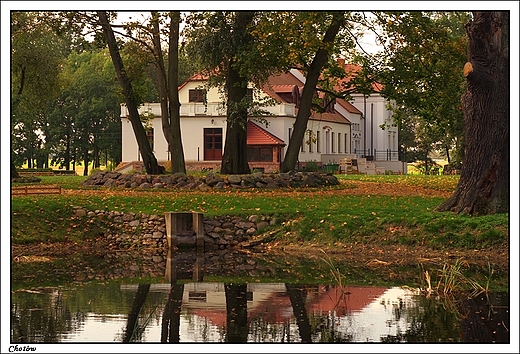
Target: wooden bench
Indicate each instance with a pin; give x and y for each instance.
(36, 189)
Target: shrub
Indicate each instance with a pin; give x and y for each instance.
(312, 166)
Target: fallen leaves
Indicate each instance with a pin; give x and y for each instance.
(377, 262)
(31, 259)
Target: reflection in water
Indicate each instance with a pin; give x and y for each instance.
(186, 309)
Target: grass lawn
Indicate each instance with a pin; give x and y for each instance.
(325, 215)
(372, 214)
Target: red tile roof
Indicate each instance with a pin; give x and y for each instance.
(281, 83)
(348, 106)
(352, 70)
(284, 83)
(259, 136)
(195, 77)
(329, 117)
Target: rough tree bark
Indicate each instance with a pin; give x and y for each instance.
(234, 158)
(483, 187)
(149, 160)
(304, 111)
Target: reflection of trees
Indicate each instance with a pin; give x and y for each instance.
(322, 328)
(236, 309)
(448, 320)
(264, 331)
(132, 332)
(170, 328)
(296, 293)
(428, 322)
(41, 318)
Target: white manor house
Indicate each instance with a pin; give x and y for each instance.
(345, 131)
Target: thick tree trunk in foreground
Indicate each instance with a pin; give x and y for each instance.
(149, 160)
(484, 181)
(304, 111)
(234, 158)
(295, 293)
(131, 333)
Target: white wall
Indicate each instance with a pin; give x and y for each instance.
(192, 130)
(192, 133)
(130, 149)
(376, 114)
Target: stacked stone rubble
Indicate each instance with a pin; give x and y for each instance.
(130, 230)
(110, 179)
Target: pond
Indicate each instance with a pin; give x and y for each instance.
(193, 303)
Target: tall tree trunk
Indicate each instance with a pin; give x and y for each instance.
(234, 158)
(85, 162)
(171, 319)
(168, 93)
(304, 111)
(484, 181)
(176, 149)
(149, 160)
(95, 156)
(67, 152)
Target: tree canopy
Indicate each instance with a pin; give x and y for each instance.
(419, 69)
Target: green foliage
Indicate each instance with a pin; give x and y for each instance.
(37, 54)
(421, 70)
(141, 71)
(312, 166)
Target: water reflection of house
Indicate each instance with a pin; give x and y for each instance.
(344, 300)
(270, 302)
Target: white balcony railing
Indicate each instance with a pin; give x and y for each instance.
(216, 109)
(209, 109)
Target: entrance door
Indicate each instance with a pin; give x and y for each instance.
(212, 144)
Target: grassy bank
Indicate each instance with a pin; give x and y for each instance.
(324, 216)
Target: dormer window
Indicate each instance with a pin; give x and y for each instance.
(197, 95)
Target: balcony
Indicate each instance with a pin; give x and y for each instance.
(216, 109)
(210, 109)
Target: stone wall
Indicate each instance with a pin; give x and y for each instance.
(111, 179)
(130, 230)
